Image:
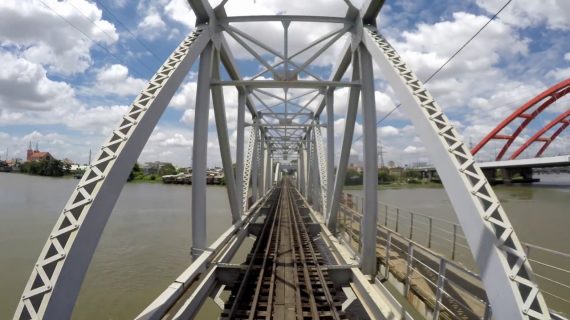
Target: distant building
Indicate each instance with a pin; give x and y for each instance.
(153, 167)
(37, 155)
(420, 164)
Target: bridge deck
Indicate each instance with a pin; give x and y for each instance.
(285, 277)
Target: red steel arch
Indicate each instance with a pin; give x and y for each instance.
(544, 100)
(563, 119)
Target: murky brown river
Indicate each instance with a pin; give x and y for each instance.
(147, 240)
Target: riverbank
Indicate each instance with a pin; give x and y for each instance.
(420, 185)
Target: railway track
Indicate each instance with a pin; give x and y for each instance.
(285, 277)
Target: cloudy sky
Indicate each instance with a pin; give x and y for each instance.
(71, 68)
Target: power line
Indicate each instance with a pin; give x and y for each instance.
(447, 61)
(108, 35)
(87, 36)
(129, 31)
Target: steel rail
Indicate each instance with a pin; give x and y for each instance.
(268, 252)
(298, 300)
(318, 269)
(243, 285)
(306, 276)
(288, 248)
(271, 286)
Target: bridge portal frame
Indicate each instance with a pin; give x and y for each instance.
(53, 287)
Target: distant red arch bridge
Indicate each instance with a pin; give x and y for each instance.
(529, 112)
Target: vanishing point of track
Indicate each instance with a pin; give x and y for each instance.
(284, 278)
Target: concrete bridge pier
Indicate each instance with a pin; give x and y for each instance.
(507, 175)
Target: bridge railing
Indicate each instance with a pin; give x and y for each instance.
(441, 235)
(436, 251)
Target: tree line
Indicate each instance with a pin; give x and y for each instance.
(49, 168)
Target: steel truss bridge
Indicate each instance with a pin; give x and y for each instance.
(297, 222)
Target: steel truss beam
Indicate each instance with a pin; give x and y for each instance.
(563, 119)
(502, 262)
(55, 281)
(223, 139)
(542, 101)
(350, 122)
(255, 164)
(200, 151)
(302, 84)
(370, 216)
(291, 18)
(321, 159)
(240, 165)
(248, 168)
(330, 147)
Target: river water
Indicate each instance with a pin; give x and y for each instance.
(146, 243)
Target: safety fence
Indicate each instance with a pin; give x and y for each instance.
(428, 258)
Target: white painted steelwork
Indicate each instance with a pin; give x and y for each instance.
(501, 259)
(321, 154)
(276, 135)
(55, 281)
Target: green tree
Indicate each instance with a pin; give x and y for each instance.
(167, 169)
(135, 172)
(50, 168)
(384, 176)
(353, 177)
(412, 176)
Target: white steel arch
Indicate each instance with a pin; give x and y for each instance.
(55, 281)
(502, 262)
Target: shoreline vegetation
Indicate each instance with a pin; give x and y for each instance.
(354, 178)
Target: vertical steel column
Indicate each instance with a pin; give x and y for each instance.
(255, 164)
(267, 171)
(276, 173)
(247, 170)
(199, 152)
(303, 175)
(299, 160)
(240, 147)
(346, 145)
(308, 166)
(370, 214)
(314, 172)
(330, 147)
(224, 142)
(322, 167)
(270, 173)
(263, 166)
